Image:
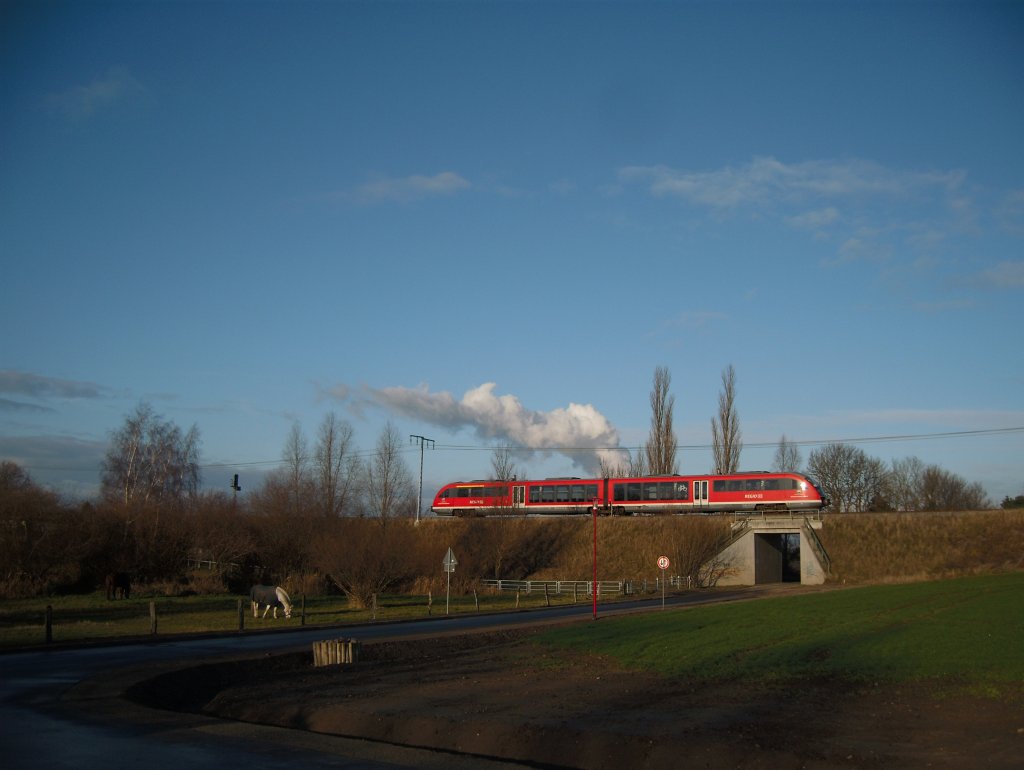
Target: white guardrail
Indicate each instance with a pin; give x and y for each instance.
(585, 587)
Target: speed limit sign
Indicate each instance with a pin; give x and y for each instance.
(663, 562)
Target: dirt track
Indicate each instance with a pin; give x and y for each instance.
(502, 696)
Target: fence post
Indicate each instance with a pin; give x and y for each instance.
(476, 600)
(373, 608)
(49, 623)
(547, 599)
(152, 618)
(430, 602)
(241, 617)
(303, 610)
(517, 599)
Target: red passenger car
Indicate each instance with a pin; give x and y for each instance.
(708, 493)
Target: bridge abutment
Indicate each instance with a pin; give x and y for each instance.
(773, 549)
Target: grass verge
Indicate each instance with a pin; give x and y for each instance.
(91, 617)
(967, 632)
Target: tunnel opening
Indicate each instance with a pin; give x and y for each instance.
(777, 557)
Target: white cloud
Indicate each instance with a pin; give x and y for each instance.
(410, 188)
(38, 386)
(944, 306)
(814, 220)
(1011, 212)
(1005, 275)
(765, 180)
(698, 319)
(84, 101)
(578, 431)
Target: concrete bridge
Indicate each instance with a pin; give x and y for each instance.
(774, 548)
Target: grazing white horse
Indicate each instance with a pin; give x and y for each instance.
(271, 596)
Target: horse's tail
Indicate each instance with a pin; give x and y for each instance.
(284, 597)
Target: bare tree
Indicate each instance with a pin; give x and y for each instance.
(905, 484)
(851, 479)
(626, 464)
(660, 449)
(41, 540)
(501, 463)
(945, 491)
(362, 557)
(787, 457)
(828, 465)
(151, 461)
(725, 428)
(296, 467)
(389, 484)
(333, 468)
(868, 483)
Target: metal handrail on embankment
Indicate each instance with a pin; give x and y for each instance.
(818, 547)
(586, 587)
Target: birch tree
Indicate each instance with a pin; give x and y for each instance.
(390, 490)
(335, 468)
(151, 460)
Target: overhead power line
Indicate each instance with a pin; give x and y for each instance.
(568, 449)
(754, 444)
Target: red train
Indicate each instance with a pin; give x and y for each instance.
(736, 493)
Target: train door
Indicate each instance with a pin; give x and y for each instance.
(518, 496)
(700, 495)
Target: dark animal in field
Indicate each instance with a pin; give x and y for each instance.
(270, 596)
(119, 585)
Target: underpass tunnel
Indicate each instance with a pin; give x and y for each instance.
(776, 557)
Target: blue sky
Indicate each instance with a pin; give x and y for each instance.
(489, 222)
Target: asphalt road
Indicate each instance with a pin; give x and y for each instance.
(62, 708)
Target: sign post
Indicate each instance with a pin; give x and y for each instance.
(594, 587)
(449, 567)
(663, 564)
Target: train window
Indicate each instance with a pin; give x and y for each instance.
(719, 485)
(633, 492)
(650, 490)
(577, 493)
(589, 492)
(619, 493)
(547, 494)
(534, 494)
(771, 484)
(562, 494)
(667, 490)
(682, 491)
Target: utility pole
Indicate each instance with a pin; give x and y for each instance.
(422, 441)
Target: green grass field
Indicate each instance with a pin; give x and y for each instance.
(90, 617)
(966, 631)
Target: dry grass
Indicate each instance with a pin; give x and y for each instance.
(864, 547)
(905, 547)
